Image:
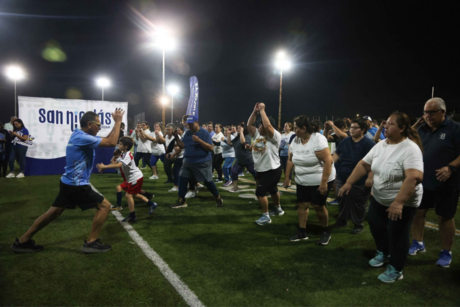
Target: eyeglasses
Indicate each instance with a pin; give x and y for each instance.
(97, 124)
(431, 112)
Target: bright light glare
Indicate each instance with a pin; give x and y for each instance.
(283, 64)
(14, 73)
(281, 55)
(164, 40)
(173, 89)
(164, 100)
(103, 82)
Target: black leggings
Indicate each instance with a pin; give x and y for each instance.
(217, 161)
(140, 155)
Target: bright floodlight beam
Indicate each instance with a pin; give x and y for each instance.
(103, 83)
(282, 63)
(15, 73)
(173, 90)
(164, 100)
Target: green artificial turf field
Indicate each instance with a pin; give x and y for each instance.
(220, 253)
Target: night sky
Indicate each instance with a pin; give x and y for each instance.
(366, 57)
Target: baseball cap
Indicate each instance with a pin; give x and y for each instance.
(367, 117)
(192, 119)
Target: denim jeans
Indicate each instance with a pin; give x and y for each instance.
(227, 168)
(18, 153)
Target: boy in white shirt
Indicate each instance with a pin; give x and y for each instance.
(132, 175)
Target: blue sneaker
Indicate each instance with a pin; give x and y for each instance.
(390, 275)
(416, 248)
(152, 207)
(335, 202)
(378, 260)
(263, 220)
(445, 258)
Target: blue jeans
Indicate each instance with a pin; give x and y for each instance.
(154, 159)
(227, 168)
(18, 153)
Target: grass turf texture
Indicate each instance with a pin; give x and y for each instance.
(220, 253)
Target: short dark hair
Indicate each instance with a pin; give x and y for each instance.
(220, 125)
(303, 121)
(145, 122)
(209, 123)
(117, 152)
(339, 123)
(19, 121)
(316, 125)
(89, 116)
(362, 123)
(127, 141)
(122, 125)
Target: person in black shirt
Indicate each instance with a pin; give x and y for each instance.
(5, 141)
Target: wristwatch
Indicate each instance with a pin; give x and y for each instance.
(452, 168)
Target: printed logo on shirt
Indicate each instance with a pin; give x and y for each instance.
(442, 136)
(259, 145)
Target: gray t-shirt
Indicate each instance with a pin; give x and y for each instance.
(243, 156)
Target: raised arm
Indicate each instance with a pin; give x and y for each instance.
(379, 131)
(112, 139)
(252, 119)
(265, 121)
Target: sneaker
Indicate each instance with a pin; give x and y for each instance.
(20, 175)
(199, 186)
(390, 275)
(95, 247)
(154, 177)
(378, 260)
(357, 230)
(299, 236)
(277, 211)
(190, 194)
(129, 219)
(10, 175)
(263, 220)
(324, 239)
(234, 191)
(143, 167)
(217, 180)
(445, 258)
(416, 248)
(335, 202)
(219, 202)
(116, 208)
(229, 182)
(26, 247)
(174, 189)
(152, 207)
(179, 204)
(240, 175)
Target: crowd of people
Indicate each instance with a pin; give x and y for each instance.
(393, 172)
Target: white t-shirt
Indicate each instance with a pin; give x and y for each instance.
(157, 148)
(217, 138)
(285, 138)
(308, 168)
(168, 140)
(265, 152)
(388, 163)
(227, 150)
(131, 173)
(144, 146)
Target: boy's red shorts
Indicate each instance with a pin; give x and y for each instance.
(131, 188)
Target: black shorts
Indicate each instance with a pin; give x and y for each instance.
(444, 199)
(268, 182)
(83, 196)
(310, 194)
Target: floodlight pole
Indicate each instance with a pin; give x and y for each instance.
(15, 100)
(172, 108)
(281, 90)
(163, 106)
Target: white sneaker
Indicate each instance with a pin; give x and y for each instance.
(190, 194)
(20, 175)
(199, 186)
(174, 189)
(154, 177)
(10, 175)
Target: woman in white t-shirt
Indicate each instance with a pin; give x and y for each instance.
(158, 150)
(228, 154)
(217, 158)
(284, 148)
(265, 153)
(314, 175)
(397, 165)
(144, 146)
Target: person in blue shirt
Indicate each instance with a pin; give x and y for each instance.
(75, 189)
(20, 136)
(197, 145)
(371, 130)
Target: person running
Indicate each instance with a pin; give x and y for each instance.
(314, 175)
(133, 178)
(197, 145)
(397, 165)
(284, 148)
(265, 152)
(144, 146)
(217, 158)
(75, 188)
(228, 154)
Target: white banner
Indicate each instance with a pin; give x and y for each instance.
(51, 122)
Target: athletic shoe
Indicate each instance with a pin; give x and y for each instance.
(179, 204)
(324, 239)
(219, 202)
(143, 167)
(390, 275)
(95, 247)
(229, 182)
(299, 236)
(416, 248)
(240, 175)
(190, 194)
(154, 177)
(445, 258)
(152, 207)
(234, 191)
(20, 175)
(116, 208)
(10, 175)
(263, 220)
(199, 186)
(277, 211)
(168, 181)
(335, 202)
(217, 180)
(174, 189)
(129, 219)
(357, 230)
(26, 247)
(378, 260)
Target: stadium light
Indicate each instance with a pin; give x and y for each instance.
(173, 90)
(282, 63)
(103, 83)
(15, 73)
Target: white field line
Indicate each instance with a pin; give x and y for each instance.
(427, 224)
(190, 298)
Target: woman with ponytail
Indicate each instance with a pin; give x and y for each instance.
(397, 165)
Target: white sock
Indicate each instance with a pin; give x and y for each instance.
(420, 242)
(279, 207)
(266, 214)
